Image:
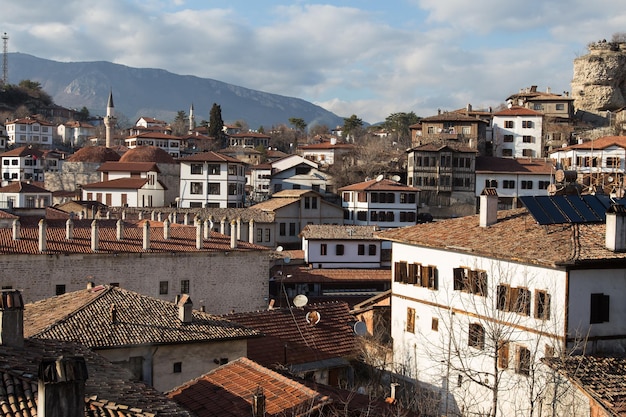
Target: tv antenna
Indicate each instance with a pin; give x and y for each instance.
(5, 58)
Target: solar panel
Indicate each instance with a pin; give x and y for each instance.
(552, 210)
(535, 210)
(596, 205)
(570, 212)
(582, 208)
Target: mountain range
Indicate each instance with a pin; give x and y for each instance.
(158, 93)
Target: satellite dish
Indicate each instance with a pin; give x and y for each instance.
(300, 300)
(395, 178)
(360, 328)
(286, 259)
(379, 178)
(313, 317)
(279, 249)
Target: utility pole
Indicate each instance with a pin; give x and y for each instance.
(5, 58)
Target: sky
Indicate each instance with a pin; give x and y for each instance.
(369, 58)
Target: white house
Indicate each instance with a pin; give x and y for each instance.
(75, 133)
(513, 178)
(3, 137)
(20, 194)
(333, 246)
(382, 202)
(517, 133)
(22, 164)
(326, 152)
(28, 131)
(300, 177)
(599, 164)
(167, 142)
(210, 179)
(258, 179)
(248, 140)
(477, 302)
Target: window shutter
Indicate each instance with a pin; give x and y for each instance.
(412, 273)
(459, 277)
(503, 354)
(426, 271)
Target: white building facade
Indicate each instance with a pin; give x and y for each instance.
(22, 164)
(518, 133)
(27, 131)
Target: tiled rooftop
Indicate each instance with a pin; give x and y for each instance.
(85, 316)
(600, 143)
(109, 390)
(118, 183)
(488, 164)
(382, 185)
(305, 274)
(22, 151)
(515, 237)
(517, 111)
(210, 157)
(290, 340)
(22, 187)
(129, 167)
(228, 391)
(182, 239)
(603, 378)
(346, 232)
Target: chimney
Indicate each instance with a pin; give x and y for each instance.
(251, 231)
(258, 403)
(185, 308)
(61, 389)
(238, 228)
(146, 235)
(166, 229)
(615, 238)
(95, 236)
(223, 226)
(207, 228)
(140, 215)
(233, 234)
(69, 229)
(119, 226)
(42, 235)
(113, 312)
(488, 207)
(199, 234)
(11, 318)
(186, 219)
(16, 230)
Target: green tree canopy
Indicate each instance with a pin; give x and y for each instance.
(352, 127)
(398, 125)
(216, 124)
(297, 123)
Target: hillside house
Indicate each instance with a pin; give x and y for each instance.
(518, 133)
(485, 297)
(29, 131)
(165, 141)
(75, 133)
(22, 164)
(249, 140)
(452, 128)
(210, 179)
(162, 343)
(381, 202)
(21, 194)
(325, 153)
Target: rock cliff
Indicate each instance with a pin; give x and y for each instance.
(599, 81)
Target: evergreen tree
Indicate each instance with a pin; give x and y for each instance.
(216, 124)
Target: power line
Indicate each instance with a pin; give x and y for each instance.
(5, 58)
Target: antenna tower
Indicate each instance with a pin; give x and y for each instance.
(5, 58)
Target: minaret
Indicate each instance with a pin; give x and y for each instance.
(109, 121)
(192, 120)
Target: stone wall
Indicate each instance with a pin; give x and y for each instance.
(599, 80)
(222, 282)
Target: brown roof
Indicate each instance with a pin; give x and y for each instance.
(118, 183)
(274, 204)
(141, 320)
(346, 232)
(228, 391)
(290, 340)
(22, 187)
(602, 378)
(94, 154)
(210, 156)
(488, 164)
(518, 111)
(516, 237)
(304, 274)
(148, 154)
(452, 117)
(382, 185)
(600, 143)
(182, 239)
(326, 145)
(109, 389)
(449, 147)
(23, 151)
(123, 166)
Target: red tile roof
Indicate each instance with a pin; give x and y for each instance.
(23, 151)
(22, 187)
(488, 164)
(515, 237)
(518, 111)
(97, 154)
(289, 339)
(128, 167)
(147, 154)
(210, 157)
(600, 143)
(228, 391)
(452, 117)
(326, 145)
(382, 185)
(118, 183)
(182, 239)
(305, 274)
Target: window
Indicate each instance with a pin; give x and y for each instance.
(307, 203)
(213, 169)
(612, 162)
(339, 250)
(400, 272)
(282, 229)
(508, 138)
(163, 287)
(543, 185)
(232, 189)
(410, 320)
(528, 139)
(232, 169)
(491, 183)
(548, 351)
(323, 249)
(527, 124)
(542, 305)
(471, 281)
(599, 308)
(178, 367)
(60, 289)
(213, 188)
(503, 302)
(508, 124)
(196, 169)
(268, 234)
(508, 184)
(292, 229)
(184, 286)
(196, 188)
(521, 300)
(361, 215)
(434, 325)
(503, 354)
(476, 336)
(347, 197)
(259, 235)
(527, 185)
(507, 152)
(537, 106)
(361, 249)
(528, 152)
(522, 361)
(371, 250)
(560, 106)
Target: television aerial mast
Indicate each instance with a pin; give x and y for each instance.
(5, 58)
